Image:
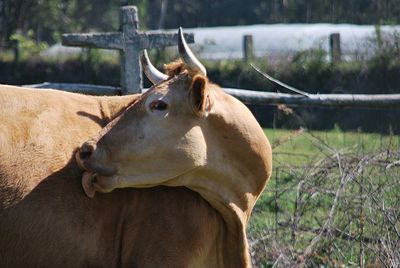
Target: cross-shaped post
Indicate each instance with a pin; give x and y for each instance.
(130, 42)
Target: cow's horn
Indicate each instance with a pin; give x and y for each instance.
(187, 55)
(154, 75)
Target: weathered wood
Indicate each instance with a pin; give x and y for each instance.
(94, 40)
(131, 69)
(335, 50)
(248, 47)
(338, 100)
(130, 42)
(153, 39)
(261, 97)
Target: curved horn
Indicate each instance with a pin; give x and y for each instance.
(154, 75)
(187, 55)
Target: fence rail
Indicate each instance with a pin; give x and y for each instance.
(259, 97)
(340, 100)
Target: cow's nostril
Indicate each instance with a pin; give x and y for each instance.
(84, 155)
(86, 151)
(94, 179)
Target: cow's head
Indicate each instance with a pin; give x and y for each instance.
(184, 131)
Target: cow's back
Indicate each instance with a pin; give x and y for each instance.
(38, 128)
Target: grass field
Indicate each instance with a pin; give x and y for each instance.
(333, 200)
(303, 147)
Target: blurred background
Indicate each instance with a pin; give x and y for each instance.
(290, 40)
(334, 197)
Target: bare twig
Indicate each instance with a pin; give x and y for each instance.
(298, 91)
(362, 213)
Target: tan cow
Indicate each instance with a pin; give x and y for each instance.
(186, 131)
(40, 129)
(46, 220)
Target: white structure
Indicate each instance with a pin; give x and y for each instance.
(278, 39)
(283, 39)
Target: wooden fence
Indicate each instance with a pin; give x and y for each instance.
(260, 97)
(130, 42)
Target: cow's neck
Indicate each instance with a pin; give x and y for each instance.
(235, 209)
(234, 246)
(233, 189)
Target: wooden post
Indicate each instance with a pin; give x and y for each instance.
(130, 42)
(248, 47)
(129, 56)
(335, 51)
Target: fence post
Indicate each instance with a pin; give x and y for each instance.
(130, 42)
(131, 71)
(248, 47)
(335, 51)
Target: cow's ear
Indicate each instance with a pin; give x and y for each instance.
(200, 95)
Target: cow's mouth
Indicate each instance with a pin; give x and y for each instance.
(97, 176)
(92, 182)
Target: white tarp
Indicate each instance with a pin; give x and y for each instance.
(281, 39)
(270, 39)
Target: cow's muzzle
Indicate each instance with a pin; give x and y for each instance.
(92, 182)
(91, 158)
(97, 176)
(84, 153)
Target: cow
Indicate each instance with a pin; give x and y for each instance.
(46, 220)
(39, 131)
(186, 132)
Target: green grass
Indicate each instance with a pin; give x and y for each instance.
(291, 159)
(301, 149)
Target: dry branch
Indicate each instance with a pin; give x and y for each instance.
(341, 214)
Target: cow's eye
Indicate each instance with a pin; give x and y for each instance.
(158, 105)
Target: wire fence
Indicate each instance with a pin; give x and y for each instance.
(341, 208)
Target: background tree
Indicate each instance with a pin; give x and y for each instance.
(11, 14)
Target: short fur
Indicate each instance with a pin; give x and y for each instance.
(47, 221)
(205, 140)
